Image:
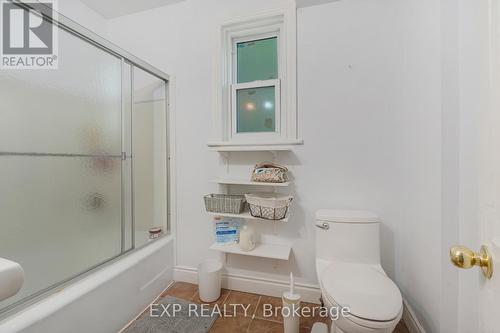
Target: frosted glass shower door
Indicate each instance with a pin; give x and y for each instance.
(149, 154)
(61, 165)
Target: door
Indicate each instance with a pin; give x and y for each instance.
(489, 181)
(479, 290)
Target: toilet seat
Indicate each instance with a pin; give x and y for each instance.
(374, 300)
(365, 323)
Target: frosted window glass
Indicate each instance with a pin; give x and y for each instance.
(257, 60)
(255, 110)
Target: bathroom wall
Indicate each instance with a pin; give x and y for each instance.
(83, 15)
(370, 73)
(370, 116)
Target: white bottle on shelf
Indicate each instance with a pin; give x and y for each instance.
(247, 238)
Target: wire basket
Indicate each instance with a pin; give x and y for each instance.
(225, 203)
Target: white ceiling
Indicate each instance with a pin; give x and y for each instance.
(114, 8)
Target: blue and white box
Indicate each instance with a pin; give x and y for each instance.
(227, 231)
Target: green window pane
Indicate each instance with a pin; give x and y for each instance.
(257, 60)
(255, 110)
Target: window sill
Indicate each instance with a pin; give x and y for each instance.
(243, 146)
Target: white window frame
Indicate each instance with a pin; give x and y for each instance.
(245, 136)
(282, 24)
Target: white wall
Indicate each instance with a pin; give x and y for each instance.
(83, 15)
(370, 115)
(370, 74)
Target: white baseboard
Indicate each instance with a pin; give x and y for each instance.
(250, 284)
(410, 319)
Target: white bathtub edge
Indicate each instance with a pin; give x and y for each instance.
(141, 274)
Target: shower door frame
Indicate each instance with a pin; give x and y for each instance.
(88, 36)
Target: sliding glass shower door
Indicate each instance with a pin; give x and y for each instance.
(68, 175)
(149, 153)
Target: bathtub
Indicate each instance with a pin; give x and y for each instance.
(103, 301)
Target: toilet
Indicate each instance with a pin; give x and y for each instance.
(350, 274)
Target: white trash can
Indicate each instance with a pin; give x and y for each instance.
(209, 280)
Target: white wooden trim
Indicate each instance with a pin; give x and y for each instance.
(254, 146)
(289, 82)
(246, 283)
(409, 318)
(284, 17)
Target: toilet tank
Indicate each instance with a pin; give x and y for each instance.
(347, 235)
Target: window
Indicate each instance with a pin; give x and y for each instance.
(257, 99)
(256, 86)
(257, 60)
(256, 106)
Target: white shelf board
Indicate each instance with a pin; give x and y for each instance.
(227, 149)
(273, 251)
(241, 146)
(247, 216)
(247, 182)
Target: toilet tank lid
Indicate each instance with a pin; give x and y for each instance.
(346, 216)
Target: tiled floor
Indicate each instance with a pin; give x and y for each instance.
(255, 322)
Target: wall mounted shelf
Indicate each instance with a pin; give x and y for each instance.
(225, 151)
(273, 251)
(228, 149)
(247, 216)
(226, 181)
(238, 146)
(225, 148)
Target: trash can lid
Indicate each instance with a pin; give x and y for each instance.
(210, 266)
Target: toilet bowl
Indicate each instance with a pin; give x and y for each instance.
(350, 274)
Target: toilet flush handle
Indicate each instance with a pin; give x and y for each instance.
(324, 226)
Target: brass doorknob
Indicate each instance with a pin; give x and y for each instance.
(463, 257)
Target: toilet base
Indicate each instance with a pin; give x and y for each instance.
(358, 329)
